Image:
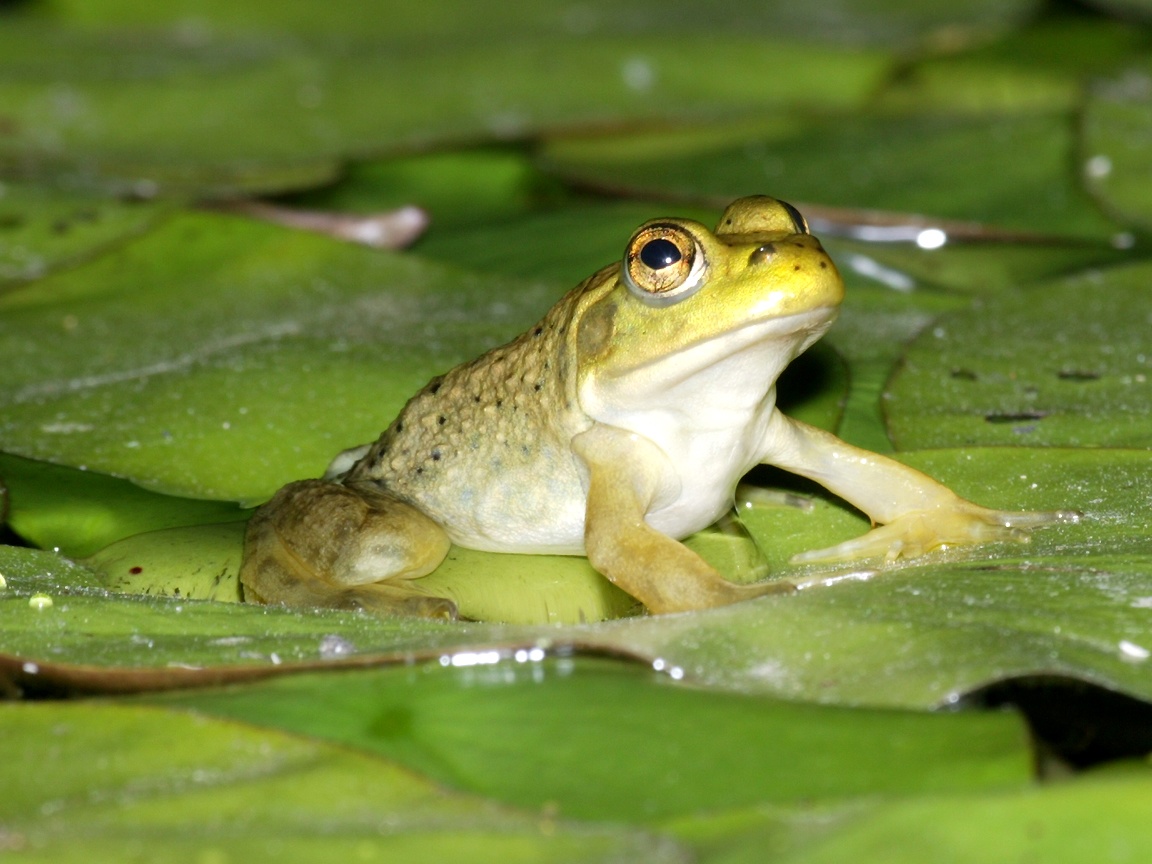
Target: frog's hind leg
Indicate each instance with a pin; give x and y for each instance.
(317, 543)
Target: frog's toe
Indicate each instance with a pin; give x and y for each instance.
(917, 533)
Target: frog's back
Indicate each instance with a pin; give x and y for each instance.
(485, 449)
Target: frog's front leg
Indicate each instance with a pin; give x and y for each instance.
(625, 473)
(916, 514)
(318, 543)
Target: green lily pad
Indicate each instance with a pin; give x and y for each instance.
(80, 512)
(968, 267)
(634, 748)
(42, 229)
(1066, 823)
(1016, 370)
(853, 22)
(96, 782)
(460, 190)
(1000, 167)
(213, 114)
(1114, 161)
(1039, 67)
(219, 357)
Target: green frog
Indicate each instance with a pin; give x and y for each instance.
(617, 425)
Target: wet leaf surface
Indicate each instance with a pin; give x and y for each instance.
(867, 162)
(1016, 371)
(212, 114)
(468, 723)
(91, 781)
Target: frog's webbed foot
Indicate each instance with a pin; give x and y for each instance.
(317, 543)
(957, 522)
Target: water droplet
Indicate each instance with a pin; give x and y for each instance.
(931, 238)
(40, 601)
(639, 74)
(1098, 166)
(1132, 652)
(332, 646)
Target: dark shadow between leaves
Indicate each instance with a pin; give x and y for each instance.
(1075, 724)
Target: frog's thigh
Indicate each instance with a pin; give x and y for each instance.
(318, 543)
(662, 573)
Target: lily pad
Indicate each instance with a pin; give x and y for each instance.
(1008, 172)
(219, 357)
(1016, 370)
(1114, 157)
(90, 781)
(629, 753)
(80, 512)
(853, 22)
(1065, 823)
(42, 229)
(1039, 67)
(201, 112)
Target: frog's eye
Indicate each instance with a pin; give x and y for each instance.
(663, 264)
(797, 218)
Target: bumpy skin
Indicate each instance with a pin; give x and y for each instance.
(617, 425)
(485, 450)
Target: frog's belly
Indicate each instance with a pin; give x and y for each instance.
(538, 512)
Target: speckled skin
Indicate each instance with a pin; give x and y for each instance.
(485, 450)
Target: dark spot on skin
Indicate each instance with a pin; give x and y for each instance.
(499, 403)
(596, 329)
(434, 387)
(537, 331)
(135, 570)
(399, 427)
(795, 266)
(435, 455)
(538, 387)
(525, 449)
(823, 265)
(441, 419)
(1015, 418)
(419, 470)
(964, 374)
(476, 399)
(1077, 375)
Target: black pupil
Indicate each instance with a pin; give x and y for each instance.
(660, 253)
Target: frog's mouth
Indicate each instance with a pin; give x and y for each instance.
(761, 348)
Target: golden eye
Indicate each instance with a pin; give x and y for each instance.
(663, 264)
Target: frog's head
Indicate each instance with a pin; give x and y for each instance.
(688, 306)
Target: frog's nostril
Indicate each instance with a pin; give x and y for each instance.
(762, 254)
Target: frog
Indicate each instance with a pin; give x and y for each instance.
(615, 427)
